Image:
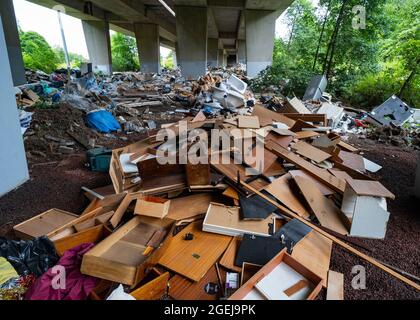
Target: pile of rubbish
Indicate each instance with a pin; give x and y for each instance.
(236, 199)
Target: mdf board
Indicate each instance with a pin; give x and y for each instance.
(322, 187)
(320, 174)
(91, 235)
(189, 206)
(198, 175)
(281, 189)
(352, 160)
(184, 289)
(282, 140)
(153, 290)
(226, 220)
(310, 152)
(324, 209)
(152, 207)
(43, 224)
(120, 256)
(246, 122)
(302, 135)
(370, 188)
(314, 252)
(277, 278)
(192, 259)
(335, 289)
(228, 258)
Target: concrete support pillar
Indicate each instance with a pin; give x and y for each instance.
(13, 164)
(260, 32)
(148, 43)
(212, 52)
(220, 58)
(192, 40)
(241, 52)
(176, 55)
(225, 59)
(417, 186)
(99, 45)
(14, 50)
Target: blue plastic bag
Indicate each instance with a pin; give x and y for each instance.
(103, 121)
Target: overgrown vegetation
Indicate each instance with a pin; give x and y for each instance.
(125, 55)
(364, 66)
(39, 55)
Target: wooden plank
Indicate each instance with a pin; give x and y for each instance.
(91, 235)
(310, 117)
(282, 191)
(122, 208)
(320, 174)
(184, 289)
(314, 252)
(188, 207)
(43, 224)
(370, 188)
(296, 288)
(322, 187)
(335, 289)
(347, 147)
(153, 290)
(337, 241)
(198, 175)
(192, 259)
(324, 209)
(301, 135)
(267, 117)
(310, 152)
(228, 258)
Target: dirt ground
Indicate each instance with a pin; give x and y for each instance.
(57, 185)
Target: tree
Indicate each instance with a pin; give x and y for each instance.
(168, 61)
(37, 53)
(76, 60)
(125, 55)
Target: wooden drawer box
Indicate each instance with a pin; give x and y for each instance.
(120, 257)
(283, 278)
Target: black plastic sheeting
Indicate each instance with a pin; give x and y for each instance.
(29, 257)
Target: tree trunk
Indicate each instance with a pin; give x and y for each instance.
(407, 81)
(321, 35)
(331, 46)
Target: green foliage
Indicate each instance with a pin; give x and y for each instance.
(168, 62)
(37, 53)
(76, 60)
(124, 53)
(364, 66)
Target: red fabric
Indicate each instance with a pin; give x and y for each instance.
(77, 285)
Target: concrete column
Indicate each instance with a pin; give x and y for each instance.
(13, 165)
(177, 55)
(225, 59)
(192, 40)
(241, 53)
(417, 186)
(220, 58)
(148, 43)
(212, 52)
(14, 50)
(260, 32)
(99, 45)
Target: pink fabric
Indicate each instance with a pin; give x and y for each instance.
(77, 286)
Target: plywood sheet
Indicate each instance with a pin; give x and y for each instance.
(353, 160)
(324, 209)
(153, 290)
(192, 259)
(310, 152)
(282, 190)
(301, 135)
(267, 117)
(190, 206)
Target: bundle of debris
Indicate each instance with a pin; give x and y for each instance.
(254, 219)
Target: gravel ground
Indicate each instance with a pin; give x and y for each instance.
(57, 185)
